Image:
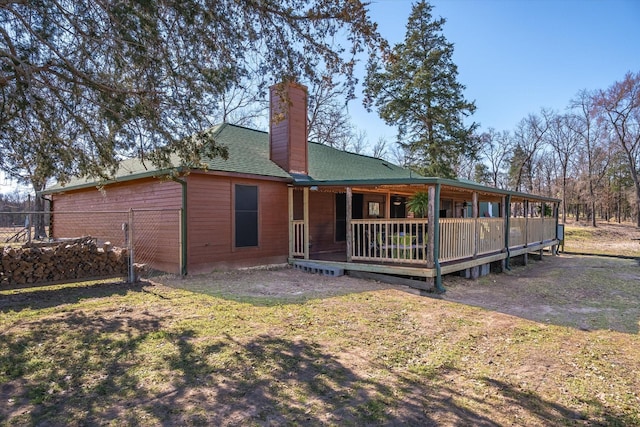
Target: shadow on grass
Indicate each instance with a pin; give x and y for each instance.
(81, 369)
(56, 295)
(586, 293)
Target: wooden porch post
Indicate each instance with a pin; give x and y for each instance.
(542, 208)
(348, 220)
(505, 219)
(291, 230)
(526, 223)
(475, 209)
(387, 206)
(475, 270)
(525, 256)
(433, 237)
(556, 215)
(431, 223)
(305, 201)
(436, 237)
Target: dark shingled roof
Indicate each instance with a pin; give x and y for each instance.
(249, 154)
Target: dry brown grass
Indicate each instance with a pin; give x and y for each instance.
(552, 343)
(608, 238)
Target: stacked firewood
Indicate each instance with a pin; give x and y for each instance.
(61, 261)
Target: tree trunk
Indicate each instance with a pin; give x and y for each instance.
(564, 195)
(38, 219)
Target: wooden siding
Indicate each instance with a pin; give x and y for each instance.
(210, 234)
(210, 220)
(148, 193)
(298, 130)
(101, 214)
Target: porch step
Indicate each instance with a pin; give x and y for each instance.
(325, 270)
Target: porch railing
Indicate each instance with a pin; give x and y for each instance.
(297, 245)
(531, 230)
(389, 240)
(517, 232)
(490, 235)
(404, 241)
(534, 230)
(457, 238)
(549, 229)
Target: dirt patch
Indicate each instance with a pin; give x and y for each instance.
(585, 292)
(608, 238)
(271, 286)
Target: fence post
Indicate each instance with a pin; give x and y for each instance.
(27, 226)
(183, 243)
(132, 277)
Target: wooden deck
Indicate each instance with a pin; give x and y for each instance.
(429, 247)
(339, 260)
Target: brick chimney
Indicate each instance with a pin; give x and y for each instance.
(288, 127)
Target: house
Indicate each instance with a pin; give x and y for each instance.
(279, 198)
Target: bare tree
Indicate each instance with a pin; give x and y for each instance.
(379, 150)
(619, 105)
(495, 148)
(528, 138)
(465, 167)
(329, 121)
(593, 153)
(358, 142)
(400, 155)
(243, 105)
(564, 138)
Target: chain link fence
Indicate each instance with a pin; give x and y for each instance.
(153, 237)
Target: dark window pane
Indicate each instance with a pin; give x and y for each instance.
(246, 229)
(246, 198)
(246, 215)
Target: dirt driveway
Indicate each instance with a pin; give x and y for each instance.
(586, 292)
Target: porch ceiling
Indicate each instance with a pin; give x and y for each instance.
(450, 188)
(446, 192)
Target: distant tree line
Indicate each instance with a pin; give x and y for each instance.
(10, 205)
(588, 155)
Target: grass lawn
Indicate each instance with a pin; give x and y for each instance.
(553, 343)
(608, 238)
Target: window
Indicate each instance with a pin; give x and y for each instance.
(246, 215)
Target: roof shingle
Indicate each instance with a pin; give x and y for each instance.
(249, 154)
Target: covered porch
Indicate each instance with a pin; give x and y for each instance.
(368, 227)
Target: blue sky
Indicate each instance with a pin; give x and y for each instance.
(518, 56)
